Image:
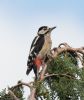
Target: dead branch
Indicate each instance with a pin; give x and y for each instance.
(33, 89)
(32, 94)
(30, 85)
(67, 48)
(63, 44)
(63, 47)
(43, 72)
(12, 95)
(23, 83)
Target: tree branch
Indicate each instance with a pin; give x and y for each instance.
(66, 75)
(43, 72)
(67, 48)
(23, 83)
(12, 95)
(63, 47)
(32, 94)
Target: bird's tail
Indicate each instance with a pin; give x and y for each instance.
(28, 70)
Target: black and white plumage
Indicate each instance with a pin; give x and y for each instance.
(40, 46)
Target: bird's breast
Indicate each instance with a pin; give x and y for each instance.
(46, 47)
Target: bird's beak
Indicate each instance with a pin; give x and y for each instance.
(52, 28)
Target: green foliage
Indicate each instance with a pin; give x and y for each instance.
(18, 91)
(67, 83)
(4, 96)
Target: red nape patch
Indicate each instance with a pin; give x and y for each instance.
(38, 62)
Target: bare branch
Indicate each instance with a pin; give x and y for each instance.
(63, 44)
(57, 51)
(32, 94)
(60, 50)
(63, 47)
(43, 72)
(66, 75)
(12, 95)
(23, 83)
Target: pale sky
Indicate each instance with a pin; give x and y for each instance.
(19, 22)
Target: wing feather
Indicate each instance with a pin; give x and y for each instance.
(36, 46)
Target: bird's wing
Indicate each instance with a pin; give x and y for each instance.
(36, 46)
(33, 42)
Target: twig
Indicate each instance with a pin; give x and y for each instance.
(60, 50)
(23, 83)
(63, 44)
(66, 75)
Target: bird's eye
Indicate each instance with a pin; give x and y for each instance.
(44, 29)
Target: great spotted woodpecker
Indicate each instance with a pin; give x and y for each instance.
(40, 47)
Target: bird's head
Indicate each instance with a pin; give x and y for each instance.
(45, 30)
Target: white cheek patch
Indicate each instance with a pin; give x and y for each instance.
(41, 32)
(31, 50)
(35, 53)
(36, 40)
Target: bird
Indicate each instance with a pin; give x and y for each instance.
(39, 49)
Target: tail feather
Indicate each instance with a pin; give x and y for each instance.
(35, 71)
(28, 70)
